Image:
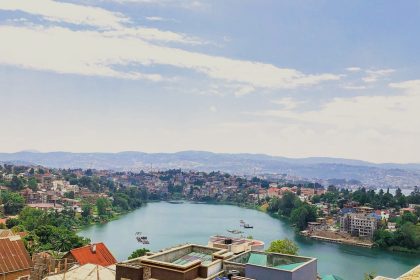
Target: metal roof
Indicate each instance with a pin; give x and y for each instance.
(13, 255)
(95, 254)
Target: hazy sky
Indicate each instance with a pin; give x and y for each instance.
(291, 78)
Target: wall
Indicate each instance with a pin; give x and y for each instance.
(129, 273)
(15, 275)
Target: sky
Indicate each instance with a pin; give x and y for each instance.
(289, 78)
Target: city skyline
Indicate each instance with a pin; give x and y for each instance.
(284, 78)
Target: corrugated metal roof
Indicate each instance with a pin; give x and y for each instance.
(101, 255)
(85, 272)
(13, 255)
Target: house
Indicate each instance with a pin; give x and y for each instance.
(272, 266)
(188, 262)
(85, 272)
(359, 224)
(96, 253)
(15, 261)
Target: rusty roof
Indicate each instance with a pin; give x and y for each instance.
(95, 254)
(13, 255)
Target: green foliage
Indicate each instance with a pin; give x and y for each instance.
(369, 276)
(103, 204)
(283, 246)
(17, 183)
(284, 206)
(49, 230)
(10, 223)
(138, 253)
(302, 215)
(32, 184)
(406, 236)
(13, 202)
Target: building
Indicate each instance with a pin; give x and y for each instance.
(271, 266)
(413, 274)
(235, 245)
(15, 262)
(358, 224)
(96, 253)
(188, 262)
(85, 272)
(194, 262)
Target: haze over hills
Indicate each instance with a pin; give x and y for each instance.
(389, 174)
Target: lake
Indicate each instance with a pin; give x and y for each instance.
(168, 224)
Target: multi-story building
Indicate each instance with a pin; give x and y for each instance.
(258, 265)
(188, 262)
(235, 245)
(193, 262)
(358, 224)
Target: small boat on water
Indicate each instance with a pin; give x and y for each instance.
(242, 221)
(142, 239)
(175, 201)
(235, 231)
(248, 226)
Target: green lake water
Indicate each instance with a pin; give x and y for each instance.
(168, 224)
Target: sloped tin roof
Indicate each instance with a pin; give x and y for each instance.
(101, 255)
(13, 255)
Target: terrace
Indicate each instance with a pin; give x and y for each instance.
(266, 266)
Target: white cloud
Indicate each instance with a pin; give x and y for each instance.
(213, 109)
(374, 75)
(375, 127)
(353, 87)
(353, 69)
(244, 90)
(95, 53)
(110, 22)
(67, 12)
(286, 103)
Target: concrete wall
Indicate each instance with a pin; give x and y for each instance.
(264, 273)
(128, 273)
(307, 272)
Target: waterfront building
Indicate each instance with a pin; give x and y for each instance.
(359, 224)
(194, 262)
(272, 266)
(235, 245)
(15, 262)
(96, 253)
(188, 262)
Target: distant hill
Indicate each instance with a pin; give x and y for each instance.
(388, 174)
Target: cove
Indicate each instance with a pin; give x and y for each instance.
(168, 224)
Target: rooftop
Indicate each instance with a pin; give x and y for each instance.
(95, 254)
(271, 260)
(85, 272)
(13, 255)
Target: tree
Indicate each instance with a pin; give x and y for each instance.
(138, 253)
(13, 202)
(32, 184)
(86, 210)
(283, 246)
(16, 183)
(10, 223)
(370, 275)
(102, 204)
(302, 215)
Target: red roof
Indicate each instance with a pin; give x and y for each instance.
(95, 254)
(13, 255)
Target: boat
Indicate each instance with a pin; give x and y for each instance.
(242, 221)
(248, 226)
(235, 231)
(175, 202)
